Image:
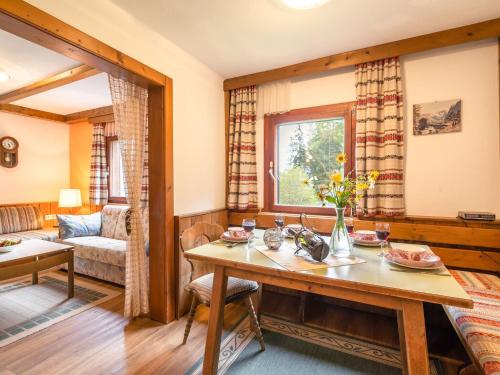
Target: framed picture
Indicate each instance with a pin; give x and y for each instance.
(437, 117)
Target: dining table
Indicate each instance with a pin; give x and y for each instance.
(373, 282)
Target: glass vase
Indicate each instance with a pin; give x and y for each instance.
(340, 245)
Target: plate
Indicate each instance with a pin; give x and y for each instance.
(366, 243)
(7, 249)
(390, 259)
(228, 238)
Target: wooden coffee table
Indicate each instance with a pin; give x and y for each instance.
(32, 256)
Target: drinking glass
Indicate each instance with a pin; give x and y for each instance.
(382, 230)
(249, 226)
(279, 220)
(349, 224)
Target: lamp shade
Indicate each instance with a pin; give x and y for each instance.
(70, 198)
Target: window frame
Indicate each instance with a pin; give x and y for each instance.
(271, 123)
(111, 199)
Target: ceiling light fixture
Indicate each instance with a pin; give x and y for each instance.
(304, 4)
(4, 77)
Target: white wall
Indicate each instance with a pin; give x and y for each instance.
(43, 166)
(199, 152)
(444, 172)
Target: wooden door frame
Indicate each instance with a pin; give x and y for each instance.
(26, 21)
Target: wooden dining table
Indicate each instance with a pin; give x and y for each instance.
(374, 282)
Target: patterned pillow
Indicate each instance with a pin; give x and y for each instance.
(79, 225)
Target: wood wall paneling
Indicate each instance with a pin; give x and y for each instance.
(464, 34)
(183, 270)
(89, 114)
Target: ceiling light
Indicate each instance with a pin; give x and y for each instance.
(304, 4)
(4, 77)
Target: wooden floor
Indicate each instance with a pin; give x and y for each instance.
(101, 341)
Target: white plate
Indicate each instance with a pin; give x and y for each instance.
(7, 249)
(367, 243)
(225, 237)
(436, 266)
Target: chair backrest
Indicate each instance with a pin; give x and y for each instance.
(197, 235)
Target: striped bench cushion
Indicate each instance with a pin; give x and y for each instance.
(19, 218)
(480, 326)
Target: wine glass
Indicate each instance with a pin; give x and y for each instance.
(249, 226)
(382, 231)
(279, 220)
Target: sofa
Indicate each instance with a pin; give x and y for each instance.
(24, 222)
(103, 256)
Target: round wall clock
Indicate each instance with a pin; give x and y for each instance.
(9, 147)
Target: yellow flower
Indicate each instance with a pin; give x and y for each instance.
(339, 193)
(341, 158)
(373, 175)
(321, 196)
(336, 177)
(306, 181)
(361, 186)
(358, 198)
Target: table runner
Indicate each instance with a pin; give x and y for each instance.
(286, 258)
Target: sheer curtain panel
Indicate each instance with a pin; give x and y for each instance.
(130, 113)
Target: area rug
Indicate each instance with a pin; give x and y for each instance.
(26, 309)
(291, 347)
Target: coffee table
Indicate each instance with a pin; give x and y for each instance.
(32, 256)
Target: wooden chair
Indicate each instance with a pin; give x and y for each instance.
(201, 287)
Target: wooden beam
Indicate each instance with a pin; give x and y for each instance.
(30, 112)
(49, 83)
(89, 114)
(459, 35)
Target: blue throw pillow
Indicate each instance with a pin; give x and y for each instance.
(79, 225)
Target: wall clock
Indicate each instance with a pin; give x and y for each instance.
(9, 147)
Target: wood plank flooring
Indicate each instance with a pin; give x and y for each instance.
(101, 341)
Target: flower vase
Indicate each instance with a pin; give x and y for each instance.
(340, 245)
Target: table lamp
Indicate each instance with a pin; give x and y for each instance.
(70, 198)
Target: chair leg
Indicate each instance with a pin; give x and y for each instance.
(254, 322)
(192, 311)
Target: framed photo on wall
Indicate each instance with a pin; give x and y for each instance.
(437, 117)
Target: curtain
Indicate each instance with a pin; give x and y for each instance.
(379, 135)
(110, 131)
(242, 193)
(130, 112)
(98, 189)
(273, 98)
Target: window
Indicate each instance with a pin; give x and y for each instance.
(302, 144)
(116, 187)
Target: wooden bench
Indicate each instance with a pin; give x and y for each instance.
(479, 328)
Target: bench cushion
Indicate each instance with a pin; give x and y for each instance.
(100, 249)
(19, 219)
(41, 234)
(480, 326)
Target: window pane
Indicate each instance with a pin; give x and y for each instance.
(116, 184)
(307, 150)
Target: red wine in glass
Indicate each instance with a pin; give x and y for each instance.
(382, 235)
(248, 225)
(350, 228)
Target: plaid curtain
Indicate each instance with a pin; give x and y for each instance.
(242, 160)
(98, 189)
(379, 135)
